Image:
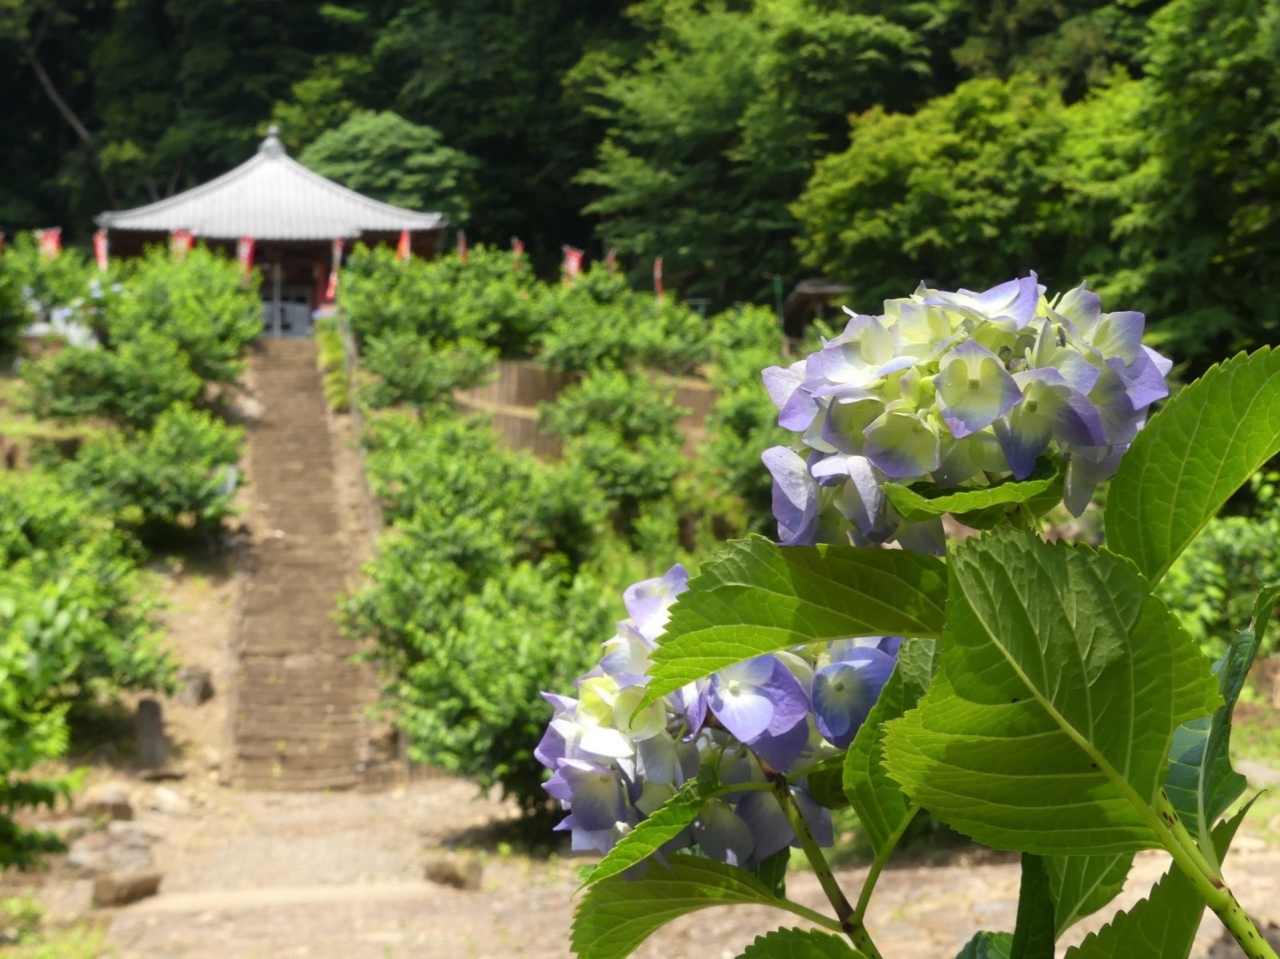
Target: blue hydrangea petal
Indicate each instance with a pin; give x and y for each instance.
(844, 692)
(781, 750)
(770, 829)
(795, 496)
(722, 834)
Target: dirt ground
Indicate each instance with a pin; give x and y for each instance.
(339, 876)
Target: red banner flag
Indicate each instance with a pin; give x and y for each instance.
(657, 277)
(403, 249)
(517, 252)
(49, 242)
(331, 292)
(462, 246)
(572, 263)
(181, 242)
(1, 241)
(245, 248)
(100, 250)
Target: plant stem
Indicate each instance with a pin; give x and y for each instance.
(1210, 886)
(851, 925)
(882, 858)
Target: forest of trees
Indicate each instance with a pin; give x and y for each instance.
(877, 142)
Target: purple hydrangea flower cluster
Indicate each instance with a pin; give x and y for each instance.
(783, 712)
(962, 389)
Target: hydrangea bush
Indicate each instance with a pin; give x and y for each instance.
(1036, 696)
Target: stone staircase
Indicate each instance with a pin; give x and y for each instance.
(297, 720)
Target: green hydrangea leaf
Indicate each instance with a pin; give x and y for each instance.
(616, 915)
(1191, 457)
(1081, 885)
(1048, 726)
(1201, 784)
(1033, 932)
(772, 871)
(800, 944)
(756, 597)
(883, 811)
(659, 829)
(983, 507)
(987, 945)
(1162, 926)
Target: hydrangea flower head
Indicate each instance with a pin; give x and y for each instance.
(612, 765)
(963, 389)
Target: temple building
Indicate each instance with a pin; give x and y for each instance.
(288, 216)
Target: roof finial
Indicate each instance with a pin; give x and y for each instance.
(272, 146)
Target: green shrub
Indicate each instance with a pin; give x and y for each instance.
(406, 369)
(331, 356)
(179, 474)
(131, 385)
(199, 302)
(1212, 586)
(600, 322)
(486, 590)
(621, 428)
(75, 623)
(743, 422)
(490, 298)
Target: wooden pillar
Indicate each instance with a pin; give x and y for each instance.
(276, 305)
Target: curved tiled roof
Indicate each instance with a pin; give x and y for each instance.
(271, 197)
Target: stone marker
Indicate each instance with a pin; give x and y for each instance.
(459, 871)
(150, 726)
(197, 686)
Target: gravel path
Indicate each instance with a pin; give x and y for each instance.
(339, 876)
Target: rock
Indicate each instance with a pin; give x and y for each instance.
(150, 728)
(212, 757)
(106, 801)
(1260, 775)
(171, 803)
(461, 872)
(69, 830)
(125, 848)
(197, 686)
(66, 903)
(121, 888)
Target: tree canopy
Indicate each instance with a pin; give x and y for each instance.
(878, 142)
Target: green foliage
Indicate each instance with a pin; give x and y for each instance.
(618, 914)
(984, 507)
(756, 598)
(411, 371)
(800, 944)
(1201, 448)
(1162, 925)
(598, 321)
(331, 357)
(962, 192)
(170, 327)
(1033, 932)
(987, 945)
(1212, 585)
(621, 428)
(200, 302)
(883, 811)
(716, 126)
(1081, 885)
(384, 156)
(179, 474)
(743, 422)
(75, 622)
(659, 829)
(490, 586)
(131, 384)
(1201, 785)
(1084, 701)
